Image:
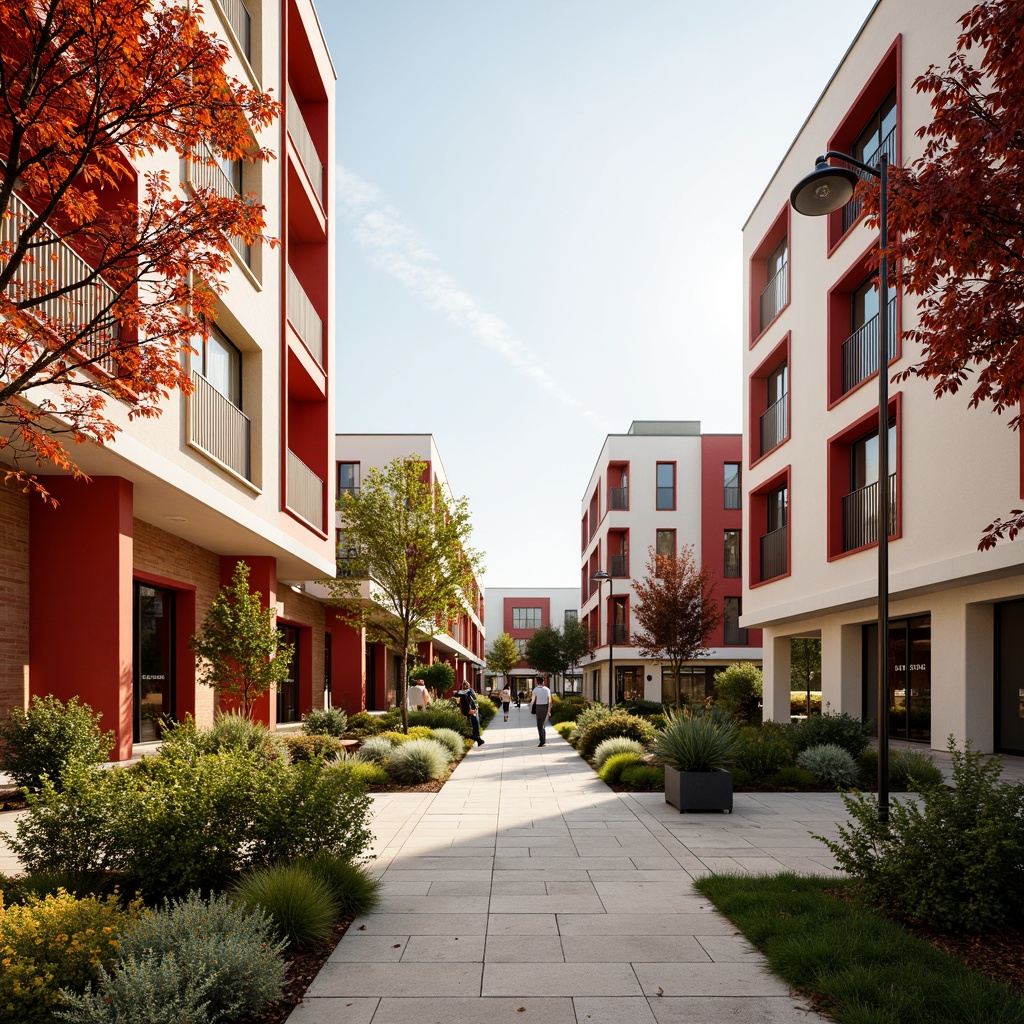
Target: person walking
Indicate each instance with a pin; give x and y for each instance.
(539, 706)
(419, 698)
(468, 706)
(506, 699)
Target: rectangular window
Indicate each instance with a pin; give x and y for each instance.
(731, 611)
(860, 504)
(692, 687)
(526, 618)
(732, 485)
(571, 615)
(348, 478)
(877, 138)
(666, 479)
(665, 542)
(774, 296)
(732, 554)
(521, 648)
(346, 551)
(221, 365)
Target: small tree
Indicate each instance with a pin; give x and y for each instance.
(577, 643)
(545, 651)
(439, 676)
(805, 665)
(410, 541)
(240, 645)
(503, 656)
(738, 688)
(677, 612)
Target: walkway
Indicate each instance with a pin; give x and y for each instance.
(526, 891)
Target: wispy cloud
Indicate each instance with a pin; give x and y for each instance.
(396, 249)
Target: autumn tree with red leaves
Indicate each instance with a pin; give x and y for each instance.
(958, 226)
(108, 277)
(678, 611)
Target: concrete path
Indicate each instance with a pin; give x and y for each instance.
(526, 891)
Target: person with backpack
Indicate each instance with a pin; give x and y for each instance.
(468, 706)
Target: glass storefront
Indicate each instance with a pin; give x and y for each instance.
(153, 661)
(1009, 624)
(910, 677)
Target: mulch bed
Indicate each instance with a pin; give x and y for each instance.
(998, 955)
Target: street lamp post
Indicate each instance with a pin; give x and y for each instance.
(599, 577)
(823, 191)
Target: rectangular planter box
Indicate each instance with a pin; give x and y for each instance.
(698, 791)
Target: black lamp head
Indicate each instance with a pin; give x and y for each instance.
(824, 190)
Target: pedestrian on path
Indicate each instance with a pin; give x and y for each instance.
(506, 698)
(468, 706)
(539, 706)
(419, 698)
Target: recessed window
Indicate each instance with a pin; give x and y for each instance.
(348, 478)
(860, 505)
(221, 365)
(571, 615)
(731, 568)
(732, 485)
(526, 618)
(666, 482)
(665, 543)
(773, 298)
(731, 615)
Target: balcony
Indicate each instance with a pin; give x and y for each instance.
(240, 21)
(851, 211)
(305, 491)
(204, 174)
(618, 497)
(304, 145)
(860, 350)
(732, 497)
(775, 424)
(619, 633)
(55, 266)
(305, 319)
(860, 515)
(773, 298)
(619, 565)
(218, 427)
(774, 553)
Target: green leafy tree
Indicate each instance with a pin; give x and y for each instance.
(545, 651)
(239, 644)
(577, 643)
(738, 688)
(439, 677)
(503, 656)
(410, 570)
(805, 665)
(677, 612)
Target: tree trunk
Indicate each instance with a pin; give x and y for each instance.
(404, 685)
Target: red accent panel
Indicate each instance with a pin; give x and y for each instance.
(348, 664)
(87, 654)
(544, 603)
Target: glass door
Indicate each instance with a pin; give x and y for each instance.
(288, 689)
(153, 661)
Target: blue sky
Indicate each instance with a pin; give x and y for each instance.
(539, 212)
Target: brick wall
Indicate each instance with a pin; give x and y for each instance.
(13, 599)
(300, 610)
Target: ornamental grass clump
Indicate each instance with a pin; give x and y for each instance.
(375, 749)
(366, 773)
(417, 761)
(438, 715)
(612, 768)
(697, 742)
(643, 776)
(830, 765)
(616, 745)
(353, 889)
(454, 741)
(325, 722)
(298, 902)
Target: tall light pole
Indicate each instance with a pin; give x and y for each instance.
(825, 190)
(599, 577)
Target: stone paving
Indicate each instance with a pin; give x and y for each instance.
(528, 891)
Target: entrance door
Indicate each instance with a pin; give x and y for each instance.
(153, 660)
(371, 677)
(1010, 677)
(910, 677)
(288, 690)
(328, 672)
(631, 683)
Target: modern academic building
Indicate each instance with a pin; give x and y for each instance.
(810, 447)
(662, 485)
(362, 675)
(99, 596)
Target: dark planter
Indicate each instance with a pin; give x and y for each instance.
(698, 791)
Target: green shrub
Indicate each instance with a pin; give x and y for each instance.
(738, 688)
(417, 761)
(658, 721)
(394, 737)
(353, 889)
(569, 709)
(643, 708)
(375, 749)
(298, 902)
(697, 742)
(230, 732)
(487, 709)
(313, 747)
(952, 858)
(390, 719)
(564, 729)
(616, 724)
(439, 677)
(440, 717)
(840, 730)
(325, 722)
(611, 770)
(366, 773)
(830, 764)
(55, 942)
(615, 745)
(362, 723)
(47, 737)
(643, 777)
(420, 732)
(762, 752)
(49, 883)
(585, 719)
(908, 769)
(741, 777)
(792, 777)
(454, 741)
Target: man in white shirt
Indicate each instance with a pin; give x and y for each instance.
(541, 705)
(419, 698)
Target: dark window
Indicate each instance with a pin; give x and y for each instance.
(666, 485)
(348, 478)
(732, 485)
(732, 554)
(731, 612)
(773, 298)
(571, 615)
(665, 542)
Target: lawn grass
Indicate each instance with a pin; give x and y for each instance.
(859, 967)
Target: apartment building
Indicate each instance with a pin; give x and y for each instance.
(362, 675)
(810, 448)
(520, 612)
(663, 485)
(100, 595)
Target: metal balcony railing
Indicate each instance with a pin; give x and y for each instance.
(773, 298)
(732, 497)
(205, 175)
(619, 565)
(860, 515)
(241, 24)
(304, 144)
(618, 497)
(305, 319)
(775, 424)
(55, 265)
(774, 555)
(219, 427)
(851, 211)
(860, 350)
(305, 491)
